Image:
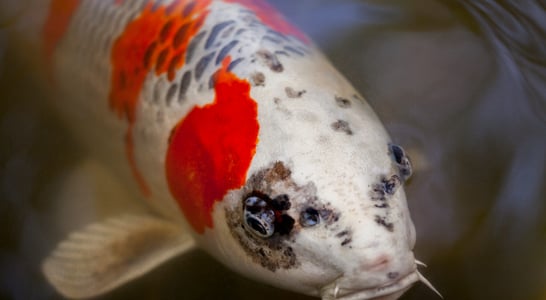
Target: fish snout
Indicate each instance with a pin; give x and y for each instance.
(358, 288)
(377, 274)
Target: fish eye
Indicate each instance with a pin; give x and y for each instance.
(309, 217)
(258, 218)
(261, 224)
(402, 160)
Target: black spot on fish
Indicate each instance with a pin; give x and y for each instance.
(342, 233)
(277, 34)
(188, 9)
(342, 126)
(343, 102)
(285, 225)
(184, 84)
(302, 49)
(255, 23)
(158, 89)
(234, 63)
(170, 139)
(202, 65)
(240, 31)
(346, 241)
(292, 93)
(382, 221)
(393, 275)
(258, 79)
(271, 39)
(328, 215)
(391, 185)
(382, 205)
(281, 202)
(165, 30)
(346, 235)
(385, 188)
(180, 35)
(148, 55)
(216, 29)
(227, 32)
(173, 65)
(294, 50)
(171, 92)
(161, 59)
(225, 51)
(212, 80)
(281, 52)
(271, 60)
(193, 45)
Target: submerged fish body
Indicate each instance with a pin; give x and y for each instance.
(240, 134)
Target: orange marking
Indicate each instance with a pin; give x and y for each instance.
(147, 44)
(211, 149)
(56, 24)
(270, 17)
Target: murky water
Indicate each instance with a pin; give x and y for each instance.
(459, 84)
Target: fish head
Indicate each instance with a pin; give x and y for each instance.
(323, 211)
(321, 208)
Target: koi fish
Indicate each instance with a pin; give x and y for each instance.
(240, 136)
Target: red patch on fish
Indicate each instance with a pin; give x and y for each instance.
(155, 41)
(56, 24)
(270, 17)
(211, 149)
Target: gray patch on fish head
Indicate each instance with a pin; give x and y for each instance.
(258, 79)
(343, 102)
(342, 126)
(275, 252)
(270, 60)
(280, 250)
(292, 93)
(352, 242)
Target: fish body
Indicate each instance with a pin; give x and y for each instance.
(235, 129)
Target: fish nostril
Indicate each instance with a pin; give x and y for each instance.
(402, 161)
(393, 275)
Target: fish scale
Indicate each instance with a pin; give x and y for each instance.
(240, 135)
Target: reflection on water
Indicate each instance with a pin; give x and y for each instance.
(459, 84)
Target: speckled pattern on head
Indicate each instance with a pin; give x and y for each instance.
(227, 120)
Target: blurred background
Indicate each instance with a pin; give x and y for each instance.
(460, 84)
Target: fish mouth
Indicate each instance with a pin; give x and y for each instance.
(395, 289)
(389, 291)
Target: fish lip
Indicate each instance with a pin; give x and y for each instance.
(370, 293)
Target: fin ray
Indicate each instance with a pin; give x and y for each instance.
(105, 255)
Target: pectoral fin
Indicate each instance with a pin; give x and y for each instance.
(108, 254)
